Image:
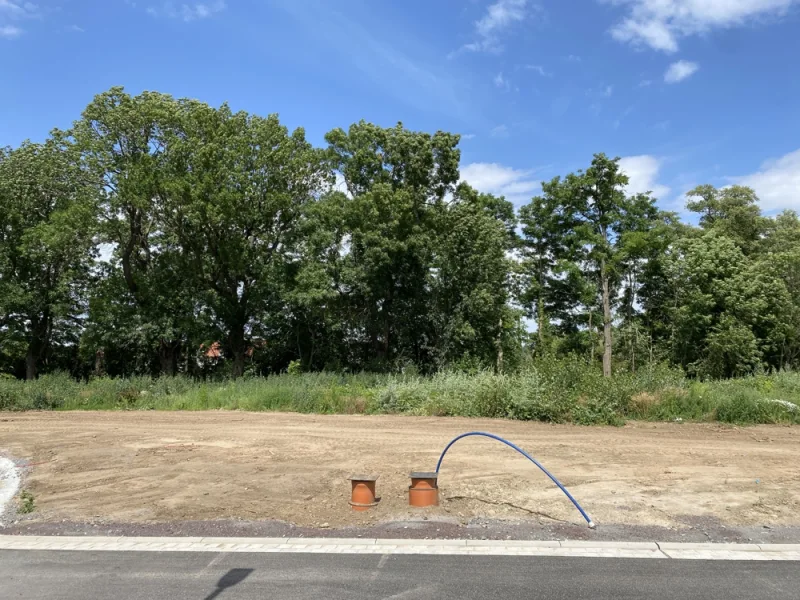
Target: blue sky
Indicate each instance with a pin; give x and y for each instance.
(686, 91)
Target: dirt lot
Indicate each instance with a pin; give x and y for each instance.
(147, 466)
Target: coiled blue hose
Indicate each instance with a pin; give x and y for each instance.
(526, 455)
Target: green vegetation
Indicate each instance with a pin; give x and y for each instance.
(564, 391)
(171, 254)
(27, 504)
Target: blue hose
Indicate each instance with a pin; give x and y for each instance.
(526, 455)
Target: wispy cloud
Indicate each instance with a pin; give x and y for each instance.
(501, 131)
(618, 121)
(9, 31)
(537, 69)
(188, 11)
(14, 11)
(659, 24)
(401, 69)
(516, 185)
(573, 58)
(489, 29)
(598, 97)
(467, 136)
(19, 10)
(501, 82)
(678, 71)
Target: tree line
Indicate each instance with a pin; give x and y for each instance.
(164, 236)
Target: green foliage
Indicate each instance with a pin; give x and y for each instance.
(295, 368)
(27, 503)
(47, 219)
(164, 236)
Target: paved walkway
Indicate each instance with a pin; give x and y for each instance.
(390, 547)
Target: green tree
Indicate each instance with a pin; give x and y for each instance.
(606, 224)
(731, 314)
(236, 187)
(733, 211)
(471, 284)
(553, 284)
(396, 182)
(142, 302)
(47, 222)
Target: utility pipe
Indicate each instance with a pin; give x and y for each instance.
(526, 455)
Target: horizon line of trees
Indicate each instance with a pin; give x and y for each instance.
(156, 229)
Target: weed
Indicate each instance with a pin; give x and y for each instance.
(27, 504)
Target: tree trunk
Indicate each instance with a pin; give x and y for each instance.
(500, 347)
(541, 322)
(239, 351)
(31, 362)
(168, 352)
(100, 362)
(40, 334)
(606, 321)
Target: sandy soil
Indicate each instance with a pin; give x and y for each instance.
(155, 467)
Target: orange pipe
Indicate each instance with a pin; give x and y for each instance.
(424, 490)
(362, 495)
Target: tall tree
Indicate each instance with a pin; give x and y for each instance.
(604, 220)
(144, 294)
(548, 252)
(237, 185)
(47, 218)
(470, 285)
(395, 180)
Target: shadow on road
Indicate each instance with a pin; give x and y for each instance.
(230, 579)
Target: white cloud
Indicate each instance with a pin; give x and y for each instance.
(501, 82)
(15, 11)
(642, 172)
(572, 58)
(501, 131)
(18, 9)
(516, 185)
(659, 24)
(678, 71)
(777, 183)
(653, 33)
(499, 16)
(9, 31)
(188, 12)
(537, 69)
(467, 136)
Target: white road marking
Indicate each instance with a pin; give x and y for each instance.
(392, 547)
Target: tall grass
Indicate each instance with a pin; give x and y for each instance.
(557, 391)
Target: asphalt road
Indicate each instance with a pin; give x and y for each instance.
(204, 576)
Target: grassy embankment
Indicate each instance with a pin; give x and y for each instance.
(560, 392)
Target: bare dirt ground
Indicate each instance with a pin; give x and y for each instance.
(157, 467)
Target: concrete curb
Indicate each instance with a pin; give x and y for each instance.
(566, 548)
